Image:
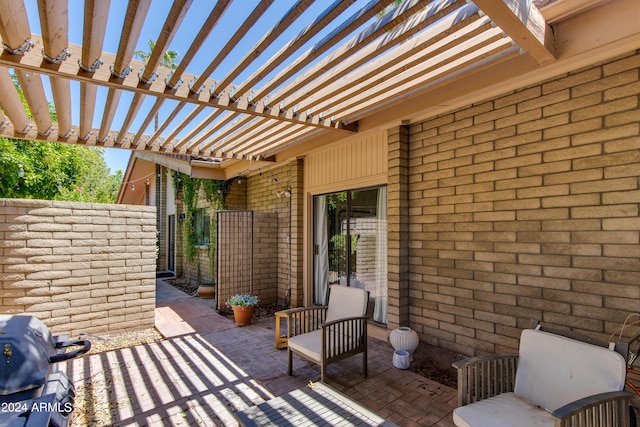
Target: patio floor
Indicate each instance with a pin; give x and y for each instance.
(208, 368)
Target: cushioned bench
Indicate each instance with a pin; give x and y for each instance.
(552, 381)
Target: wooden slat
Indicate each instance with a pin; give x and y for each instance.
(131, 28)
(33, 60)
(319, 79)
(150, 116)
(54, 22)
(445, 35)
(475, 57)
(266, 148)
(96, 13)
(87, 108)
(289, 17)
(349, 25)
(165, 124)
(111, 104)
(213, 129)
(132, 111)
(14, 24)
(175, 17)
(182, 125)
(232, 43)
(33, 91)
(209, 24)
(61, 91)
(242, 134)
(318, 24)
(10, 102)
(524, 23)
(203, 124)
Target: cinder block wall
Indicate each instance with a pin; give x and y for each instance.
(79, 267)
(524, 206)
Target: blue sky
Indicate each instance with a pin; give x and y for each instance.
(195, 17)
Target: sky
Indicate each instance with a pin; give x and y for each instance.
(198, 12)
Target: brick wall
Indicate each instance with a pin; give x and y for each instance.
(523, 206)
(79, 267)
(262, 197)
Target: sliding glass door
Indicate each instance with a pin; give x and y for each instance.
(350, 245)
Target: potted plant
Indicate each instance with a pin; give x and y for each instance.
(242, 305)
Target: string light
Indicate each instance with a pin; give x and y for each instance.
(133, 187)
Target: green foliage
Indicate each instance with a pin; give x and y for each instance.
(242, 300)
(168, 58)
(54, 171)
(215, 192)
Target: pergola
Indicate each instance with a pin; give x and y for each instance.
(352, 68)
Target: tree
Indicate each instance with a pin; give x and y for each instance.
(54, 171)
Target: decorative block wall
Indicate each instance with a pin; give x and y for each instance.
(79, 267)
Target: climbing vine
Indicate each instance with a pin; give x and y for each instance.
(215, 192)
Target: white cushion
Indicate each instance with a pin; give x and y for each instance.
(345, 301)
(555, 370)
(309, 344)
(506, 410)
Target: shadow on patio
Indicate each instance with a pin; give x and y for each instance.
(208, 368)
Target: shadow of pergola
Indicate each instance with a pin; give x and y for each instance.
(183, 380)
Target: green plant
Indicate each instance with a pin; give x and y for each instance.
(242, 300)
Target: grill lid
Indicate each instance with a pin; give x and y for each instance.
(25, 346)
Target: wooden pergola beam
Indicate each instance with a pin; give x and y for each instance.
(175, 17)
(33, 61)
(96, 13)
(321, 22)
(289, 17)
(10, 102)
(522, 21)
(33, 91)
(131, 28)
(54, 22)
(211, 21)
(14, 26)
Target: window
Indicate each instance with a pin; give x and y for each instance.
(203, 223)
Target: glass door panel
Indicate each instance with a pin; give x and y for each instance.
(350, 245)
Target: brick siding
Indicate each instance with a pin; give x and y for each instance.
(78, 267)
(523, 206)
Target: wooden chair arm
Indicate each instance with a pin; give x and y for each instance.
(609, 409)
(303, 320)
(486, 376)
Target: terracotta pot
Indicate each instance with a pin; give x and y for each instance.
(207, 290)
(242, 314)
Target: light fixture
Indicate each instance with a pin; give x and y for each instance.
(147, 182)
(21, 172)
(239, 180)
(133, 187)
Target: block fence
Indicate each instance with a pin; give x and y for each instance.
(78, 267)
(523, 206)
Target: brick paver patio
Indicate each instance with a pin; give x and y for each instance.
(208, 368)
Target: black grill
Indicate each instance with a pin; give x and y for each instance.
(34, 392)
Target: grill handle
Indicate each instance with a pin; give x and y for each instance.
(61, 345)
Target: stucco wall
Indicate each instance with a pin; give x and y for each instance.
(524, 206)
(79, 267)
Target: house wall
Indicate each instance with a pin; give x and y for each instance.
(521, 207)
(78, 267)
(262, 191)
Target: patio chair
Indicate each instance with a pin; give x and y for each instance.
(330, 333)
(554, 380)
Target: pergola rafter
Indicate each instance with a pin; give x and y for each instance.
(339, 63)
